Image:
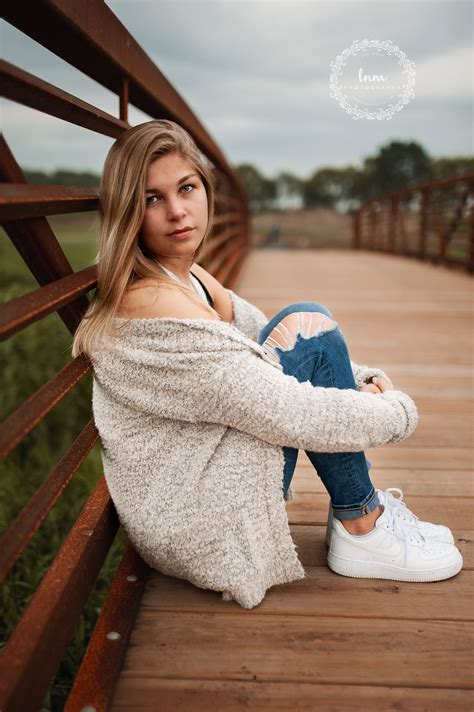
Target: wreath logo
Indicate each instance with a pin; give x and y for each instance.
(372, 79)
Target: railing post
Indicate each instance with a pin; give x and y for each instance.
(471, 228)
(392, 224)
(425, 206)
(373, 227)
(356, 216)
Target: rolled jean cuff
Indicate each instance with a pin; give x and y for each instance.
(342, 512)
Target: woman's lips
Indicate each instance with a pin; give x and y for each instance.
(181, 235)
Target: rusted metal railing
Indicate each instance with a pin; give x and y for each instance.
(89, 37)
(433, 221)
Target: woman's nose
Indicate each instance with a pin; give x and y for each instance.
(175, 209)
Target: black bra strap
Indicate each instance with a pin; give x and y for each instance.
(208, 296)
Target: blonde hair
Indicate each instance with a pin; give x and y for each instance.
(121, 259)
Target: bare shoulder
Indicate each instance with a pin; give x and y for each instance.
(147, 300)
(222, 301)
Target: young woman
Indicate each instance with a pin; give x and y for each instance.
(202, 404)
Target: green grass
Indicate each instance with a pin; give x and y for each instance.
(29, 359)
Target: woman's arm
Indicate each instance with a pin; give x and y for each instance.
(256, 398)
(241, 390)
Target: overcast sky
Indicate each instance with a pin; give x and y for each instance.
(256, 74)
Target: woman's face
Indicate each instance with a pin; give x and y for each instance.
(175, 198)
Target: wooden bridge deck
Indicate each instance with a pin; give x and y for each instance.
(331, 642)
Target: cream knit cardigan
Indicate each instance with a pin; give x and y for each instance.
(193, 416)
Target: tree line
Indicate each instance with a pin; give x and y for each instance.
(395, 166)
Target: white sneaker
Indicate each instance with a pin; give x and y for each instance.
(437, 532)
(392, 550)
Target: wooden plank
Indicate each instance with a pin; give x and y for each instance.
(442, 387)
(325, 593)
(441, 483)
(445, 430)
(141, 695)
(445, 406)
(433, 458)
(354, 305)
(247, 645)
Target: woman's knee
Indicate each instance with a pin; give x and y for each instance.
(306, 306)
(295, 308)
(307, 323)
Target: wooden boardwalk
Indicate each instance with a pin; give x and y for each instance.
(331, 642)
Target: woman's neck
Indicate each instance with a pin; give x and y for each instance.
(182, 271)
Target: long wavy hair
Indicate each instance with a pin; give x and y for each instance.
(122, 260)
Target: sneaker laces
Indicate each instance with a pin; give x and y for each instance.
(403, 530)
(397, 504)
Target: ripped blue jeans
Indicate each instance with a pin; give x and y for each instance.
(318, 353)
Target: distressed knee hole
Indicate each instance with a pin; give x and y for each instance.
(284, 335)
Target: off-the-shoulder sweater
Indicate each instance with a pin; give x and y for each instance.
(193, 417)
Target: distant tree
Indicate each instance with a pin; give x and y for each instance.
(261, 191)
(269, 194)
(358, 185)
(400, 165)
(289, 186)
(63, 176)
(364, 185)
(456, 166)
(341, 189)
(325, 188)
(36, 177)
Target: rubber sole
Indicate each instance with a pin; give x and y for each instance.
(367, 569)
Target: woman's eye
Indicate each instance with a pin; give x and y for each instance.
(153, 197)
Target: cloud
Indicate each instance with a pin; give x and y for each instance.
(447, 76)
(256, 74)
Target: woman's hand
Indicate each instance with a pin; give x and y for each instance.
(378, 385)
